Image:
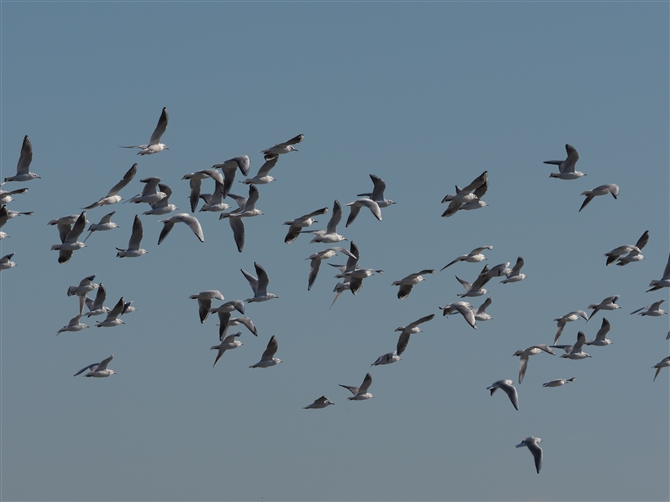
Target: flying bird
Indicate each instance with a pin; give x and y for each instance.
(259, 285)
(508, 387)
(330, 234)
(515, 274)
(6, 263)
(318, 404)
(246, 209)
(23, 166)
(663, 364)
(268, 359)
(73, 325)
(317, 258)
(360, 203)
(186, 218)
(70, 240)
(654, 285)
(608, 303)
(531, 443)
(303, 221)
(523, 356)
(566, 168)
(98, 370)
(205, 301)
(195, 183)
(463, 308)
(576, 352)
(464, 195)
(407, 331)
(600, 190)
(150, 194)
(228, 343)
(360, 393)
(163, 206)
(112, 316)
(96, 307)
(653, 310)
(155, 144)
(229, 168)
(407, 283)
(105, 223)
(285, 147)
(377, 194)
(633, 253)
(133, 250)
(263, 176)
(474, 256)
(569, 317)
(558, 382)
(113, 196)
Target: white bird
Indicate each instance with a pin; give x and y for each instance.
(6, 195)
(225, 322)
(608, 303)
(330, 234)
(317, 258)
(71, 243)
(105, 223)
(463, 308)
(128, 308)
(464, 195)
(113, 196)
(577, 352)
(112, 316)
(566, 168)
(377, 195)
(389, 358)
(474, 256)
(133, 250)
(480, 313)
(229, 168)
(230, 342)
(245, 321)
(162, 206)
(515, 274)
(259, 285)
(653, 310)
(154, 145)
(195, 183)
(318, 404)
(303, 221)
(665, 363)
(96, 307)
(263, 177)
(407, 331)
(98, 370)
(407, 283)
(85, 286)
(214, 201)
(360, 203)
(569, 317)
(360, 393)
(23, 166)
(73, 325)
(523, 356)
(246, 209)
(186, 218)
(633, 253)
(352, 274)
(471, 202)
(508, 387)
(6, 263)
(600, 340)
(558, 382)
(664, 282)
(8, 214)
(610, 188)
(285, 147)
(268, 359)
(150, 194)
(531, 443)
(476, 288)
(205, 301)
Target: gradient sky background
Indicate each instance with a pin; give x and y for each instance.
(425, 95)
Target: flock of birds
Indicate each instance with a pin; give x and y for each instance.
(157, 194)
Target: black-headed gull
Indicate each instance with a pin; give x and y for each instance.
(360, 203)
(186, 218)
(112, 316)
(150, 193)
(228, 343)
(608, 303)
(6, 263)
(633, 253)
(664, 282)
(230, 167)
(465, 195)
(73, 325)
(407, 331)
(653, 310)
(523, 356)
(162, 206)
(214, 201)
(330, 233)
(284, 147)
(610, 188)
(70, 243)
(98, 370)
(23, 166)
(474, 256)
(566, 168)
(246, 209)
(407, 283)
(569, 317)
(377, 195)
(113, 196)
(6, 195)
(360, 393)
(319, 404)
(105, 223)
(317, 258)
(389, 358)
(263, 176)
(463, 308)
(558, 382)
(665, 363)
(531, 443)
(268, 359)
(508, 387)
(133, 250)
(195, 183)
(96, 307)
(205, 301)
(155, 144)
(303, 221)
(600, 340)
(515, 274)
(576, 352)
(85, 286)
(258, 285)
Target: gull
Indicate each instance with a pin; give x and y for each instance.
(569, 317)
(6, 263)
(317, 258)
(465, 195)
(508, 387)
(85, 286)
(356, 277)
(407, 283)
(22, 173)
(360, 393)
(162, 206)
(98, 370)
(576, 352)
(377, 195)
(268, 359)
(263, 177)
(111, 319)
(480, 313)
(105, 223)
(64, 224)
(558, 382)
(653, 310)
(515, 274)
(600, 190)
(476, 289)
(566, 168)
(73, 325)
(474, 203)
(113, 196)
(330, 234)
(154, 145)
(608, 303)
(229, 168)
(186, 218)
(96, 307)
(71, 243)
(205, 301)
(195, 183)
(356, 208)
(245, 321)
(531, 443)
(664, 282)
(474, 256)
(246, 209)
(633, 252)
(463, 308)
(225, 321)
(663, 364)
(259, 286)
(407, 331)
(8, 214)
(214, 202)
(128, 308)
(303, 221)
(285, 147)
(133, 250)
(523, 355)
(228, 343)
(6, 195)
(318, 404)
(224, 311)
(389, 358)
(150, 193)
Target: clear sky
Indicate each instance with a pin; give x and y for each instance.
(424, 95)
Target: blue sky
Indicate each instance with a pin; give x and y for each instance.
(424, 95)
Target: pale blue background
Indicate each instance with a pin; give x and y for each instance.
(425, 95)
